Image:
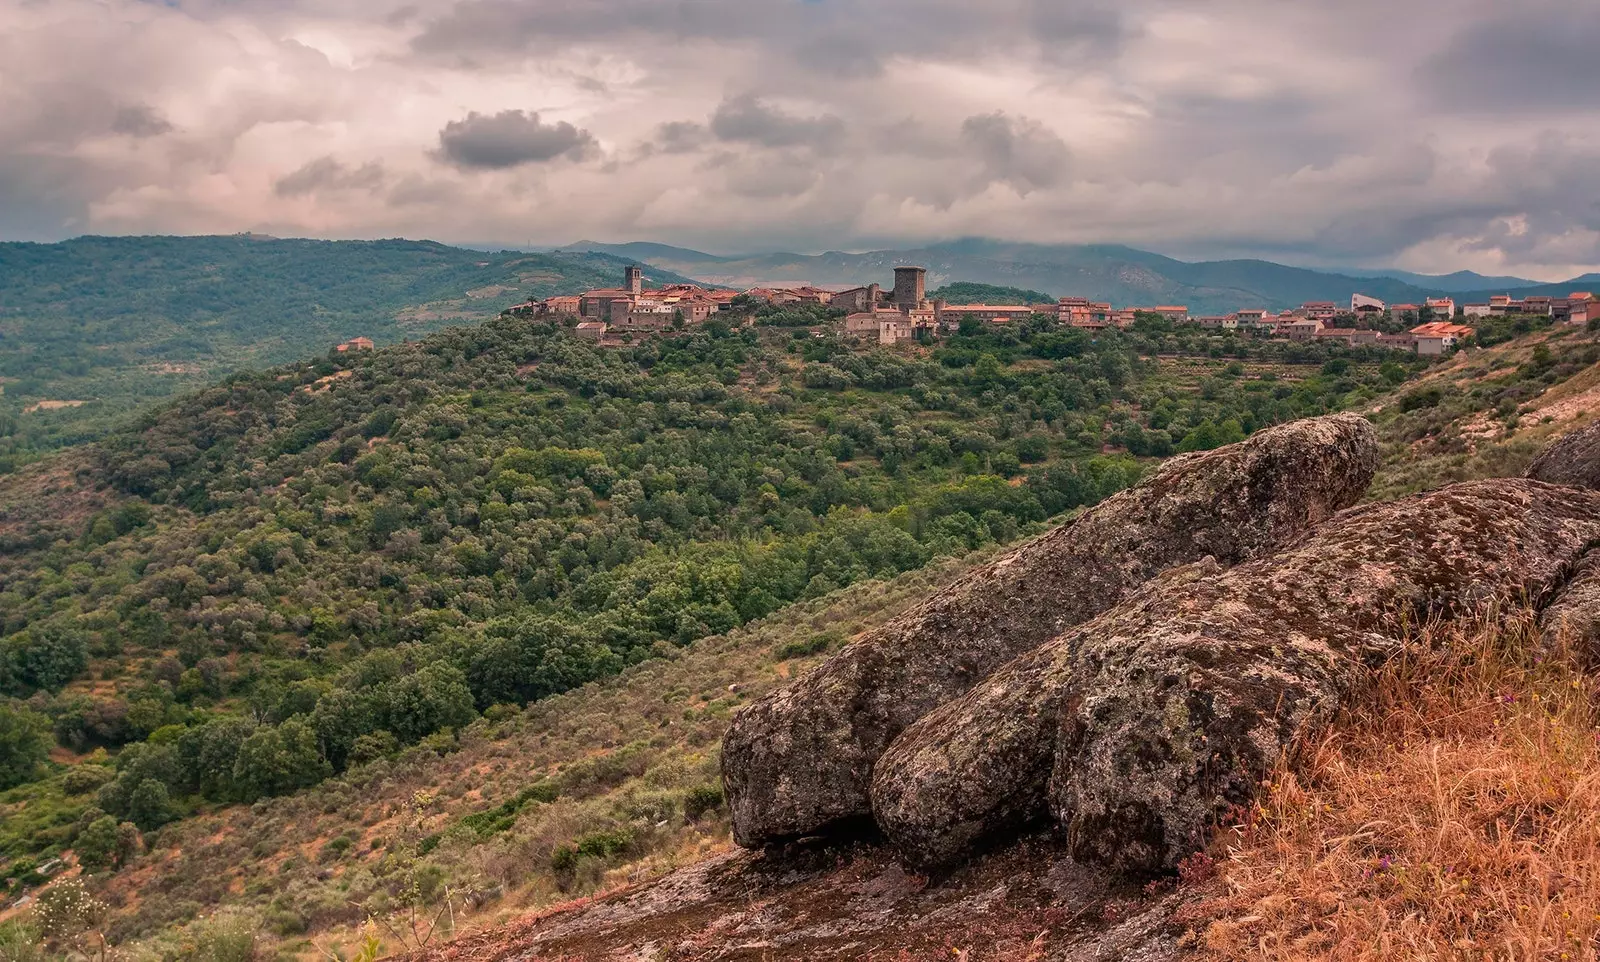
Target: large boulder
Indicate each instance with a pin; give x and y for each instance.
(799, 762)
(1573, 460)
(1572, 619)
(1138, 729)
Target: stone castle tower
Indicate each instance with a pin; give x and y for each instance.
(910, 287)
(635, 280)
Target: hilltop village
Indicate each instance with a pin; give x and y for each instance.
(905, 312)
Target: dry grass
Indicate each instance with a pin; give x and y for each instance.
(1457, 818)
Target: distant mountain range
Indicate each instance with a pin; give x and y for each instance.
(1124, 276)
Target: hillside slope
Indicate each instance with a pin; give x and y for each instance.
(93, 328)
(283, 586)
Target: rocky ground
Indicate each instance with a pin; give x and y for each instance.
(856, 901)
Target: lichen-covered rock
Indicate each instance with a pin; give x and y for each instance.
(1573, 618)
(1572, 460)
(800, 761)
(1137, 729)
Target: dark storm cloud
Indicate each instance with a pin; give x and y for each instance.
(1017, 150)
(327, 173)
(1540, 57)
(510, 138)
(745, 118)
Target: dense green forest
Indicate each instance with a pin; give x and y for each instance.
(968, 292)
(118, 322)
(301, 570)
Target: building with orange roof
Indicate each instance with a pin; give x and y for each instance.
(1439, 337)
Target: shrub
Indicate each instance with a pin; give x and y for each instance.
(701, 799)
(225, 940)
(83, 779)
(65, 909)
(809, 646)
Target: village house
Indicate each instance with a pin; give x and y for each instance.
(1303, 329)
(1404, 312)
(858, 299)
(1361, 304)
(1441, 307)
(1579, 307)
(1090, 315)
(1324, 311)
(355, 344)
(1439, 337)
(950, 316)
(591, 330)
(1176, 313)
(866, 322)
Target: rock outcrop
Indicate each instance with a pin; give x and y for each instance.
(1138, 728)
(1573, 618)
(800, 761)
(1573, 460)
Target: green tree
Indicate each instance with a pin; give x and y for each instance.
(96, 845)
(45, 657)
(276, 761)
(24, 745)
(150, 805)
(426, 701)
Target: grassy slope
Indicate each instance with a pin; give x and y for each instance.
(1487, 413)
(1458, 814)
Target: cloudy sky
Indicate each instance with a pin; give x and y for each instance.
(1426, 134)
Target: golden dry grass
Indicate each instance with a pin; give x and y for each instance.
(1457, 818)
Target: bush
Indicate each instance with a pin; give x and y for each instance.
(225, 940)
(65, 909)
(83, 779)
(701, 799)
(809, 646)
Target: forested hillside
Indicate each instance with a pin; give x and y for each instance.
(299, 574)
(92, 328)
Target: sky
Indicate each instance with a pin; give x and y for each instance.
(1429, 135)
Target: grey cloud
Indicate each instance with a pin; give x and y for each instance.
(139, 121)
(1542, 57)
(327, 173)
(852, 37)
(680, 136)
(511, 138)
(1081, 25)
(745, 118)
(1017, 150)
(787, 176)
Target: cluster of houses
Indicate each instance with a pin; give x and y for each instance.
(905, 312)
